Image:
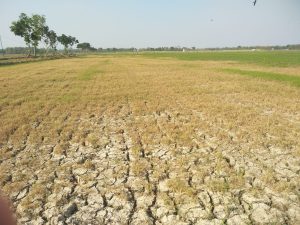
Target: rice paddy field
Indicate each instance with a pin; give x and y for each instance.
(153, 138)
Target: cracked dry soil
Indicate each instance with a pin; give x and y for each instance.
(129, 140)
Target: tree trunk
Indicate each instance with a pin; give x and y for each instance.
(47, 50)
(54, 51)
(34, 51)
(29, 51)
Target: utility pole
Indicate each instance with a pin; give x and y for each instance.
(1, 45)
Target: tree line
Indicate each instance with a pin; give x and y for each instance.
(34, 30)
(82, 49)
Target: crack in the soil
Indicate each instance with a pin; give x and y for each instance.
(212, 208)
(174, 203)
(131, 198)
(149, 209)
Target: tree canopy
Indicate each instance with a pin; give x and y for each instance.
(50, 39)
(34, 29)
(31, 29)
(67, 41)
(84, 46)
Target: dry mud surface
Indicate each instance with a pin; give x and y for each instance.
(148, 142)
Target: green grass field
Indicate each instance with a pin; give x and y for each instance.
(265, 58)
(293, 80)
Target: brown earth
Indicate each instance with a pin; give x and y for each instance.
(130, 140)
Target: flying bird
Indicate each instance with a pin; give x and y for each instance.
(254, 3)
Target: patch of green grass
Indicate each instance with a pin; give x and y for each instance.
(293, 80)
(89, 74)
(22, 60)
(68, 98)
(266, 58)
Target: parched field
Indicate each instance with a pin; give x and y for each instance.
(169, 138)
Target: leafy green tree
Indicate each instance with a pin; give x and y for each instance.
(22, 28)
(38, 24)
(31, 29)
(50, 39)
(67, 41)
(84, 46)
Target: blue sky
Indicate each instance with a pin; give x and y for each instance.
(154, 23)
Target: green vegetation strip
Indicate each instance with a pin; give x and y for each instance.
(21, 60)
(90, 73)
(293, 80)
(266, 58)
